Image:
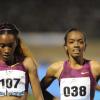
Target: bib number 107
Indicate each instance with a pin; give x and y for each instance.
(9, 83)
(74, 91)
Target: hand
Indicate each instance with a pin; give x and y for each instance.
(56, 98)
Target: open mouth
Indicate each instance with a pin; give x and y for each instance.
(76, 51)
(5, 56)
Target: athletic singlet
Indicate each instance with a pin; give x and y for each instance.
(14, 80)
(77, 84)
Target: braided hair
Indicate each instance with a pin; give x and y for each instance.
(21, 50)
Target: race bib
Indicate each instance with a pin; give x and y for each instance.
(12, 82)
(75, 88)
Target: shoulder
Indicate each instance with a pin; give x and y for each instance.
(95, 64)
(56, 65)
(95, 67)
(29, 63)
(55, 68)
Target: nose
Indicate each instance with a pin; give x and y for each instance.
(76, 44)
(6, 50)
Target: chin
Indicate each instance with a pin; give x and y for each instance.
(76, 56)
(6, 59)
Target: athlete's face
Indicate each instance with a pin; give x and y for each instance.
(7, 46)
(75, 44)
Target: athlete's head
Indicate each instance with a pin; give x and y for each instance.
(9, 42)
(11, 46)
(75, 42)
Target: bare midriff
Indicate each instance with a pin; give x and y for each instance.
(24, 97)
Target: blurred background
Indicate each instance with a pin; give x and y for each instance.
(43, 24)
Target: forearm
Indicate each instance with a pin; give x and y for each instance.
(36, 89)
(49, 96)
(46, 94)
(37, 92)
(39, 97)
(46, 82)
(43, 84)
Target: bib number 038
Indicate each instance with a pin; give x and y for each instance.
(74, 91)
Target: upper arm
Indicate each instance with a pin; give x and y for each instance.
(95, 68)
(33, 77)
(31, 69)
(51, 74)
(48, 78)
(96, 72)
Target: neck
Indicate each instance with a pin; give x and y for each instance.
(76, 62)
(9, 61)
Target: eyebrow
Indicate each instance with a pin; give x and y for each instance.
(75, 39)
(8, 43)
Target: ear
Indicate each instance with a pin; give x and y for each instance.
(65, 48)
(16, 43)
(85, 47)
